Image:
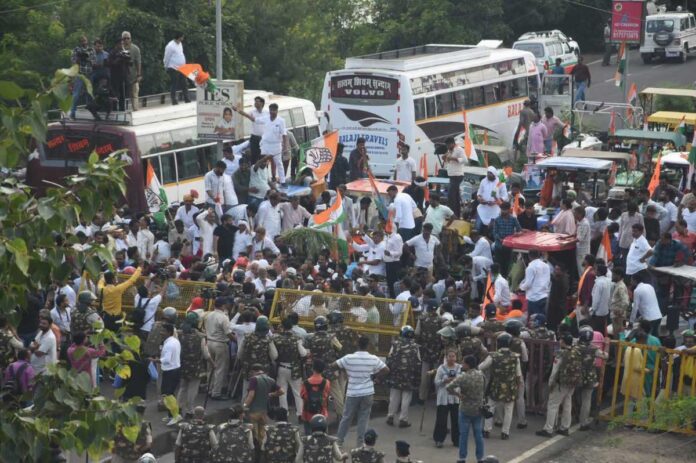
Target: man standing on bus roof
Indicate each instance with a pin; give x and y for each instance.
(274, 142)
(358, 160)
(173, 58)
(83, 56)
(405, 170)
(258, 117)
(455, 160)
(135, 74)
(219, 188)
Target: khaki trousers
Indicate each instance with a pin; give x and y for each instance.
(506, 408)
(399, 400)
(559, 396)
(287, 383)
(220, 357)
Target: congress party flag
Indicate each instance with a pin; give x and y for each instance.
(655, 180)
(334, 214)
(319, 155)
(604, 250)
(620, 75)
(195, 73)
(155, 195)
(469, 149)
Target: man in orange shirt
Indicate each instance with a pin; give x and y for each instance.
(318, 385)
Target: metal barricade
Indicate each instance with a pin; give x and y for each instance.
(653, 387)
(378, 318)
(178, 294)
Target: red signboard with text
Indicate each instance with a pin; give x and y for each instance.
(626, 21)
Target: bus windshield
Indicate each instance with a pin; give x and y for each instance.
(536, 49)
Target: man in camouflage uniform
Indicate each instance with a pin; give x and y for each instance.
(535, 382)
(85, 319)
(565, 375)
(403, 453)
(505, 378)
(431, 347)
(235, 441)
(257, 347)
(448, 339)
(125, 451)
(319, 447)
(325, 346)
(282, 440)
(367, 453)
(403, 362)
(491, 327)
(514, 328)
(193, 352)
(291, 353)
(349, 343)
(469, 386)
(590, 377)
(195, 439)
(469, 342)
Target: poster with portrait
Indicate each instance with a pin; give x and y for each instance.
(216, 118)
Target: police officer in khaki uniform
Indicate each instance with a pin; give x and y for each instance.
(431, 347)
(404, 365)
(235, 440)
(282, 440)
(590, 376)
(218, 334)
(325, 346)
(514, 328)
(257, 348)
(195, 439)
(291, 353)
(319, 447)
(505, 378)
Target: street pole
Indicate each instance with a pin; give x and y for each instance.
(218, 54)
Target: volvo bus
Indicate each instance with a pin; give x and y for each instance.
(159, 133)
(416, 96)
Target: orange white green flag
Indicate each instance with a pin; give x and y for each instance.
(469, 149)
(655, 180)
(155, 195)
(334, 214)
(604, 250)
(319, 155)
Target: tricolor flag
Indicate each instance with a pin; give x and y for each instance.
(379, 202)
(334, 214)
(520, 135)
(632, 99)
(620, 75)
(681, 128)
(319, 155)
(155, 195)
(604, 250)
(612, 123)
(469, 149)
(692, 162)
(195, 73)
(655, 179)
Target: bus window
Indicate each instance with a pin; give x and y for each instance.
(184, 137)
(299, 133)
(419, 108)
(445, 103)
(163, 141)
(491, 93)
(285, 114)
(474, 97)
(518, 87)
(146, 144)
(533, 86)
(195, 162)
(313, 132)
(298, 118)
(430, 107)
(168, 173)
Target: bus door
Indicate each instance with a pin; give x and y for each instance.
(557, 92)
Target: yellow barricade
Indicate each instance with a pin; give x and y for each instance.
(653, 387)
(179, 294)
(378, 318)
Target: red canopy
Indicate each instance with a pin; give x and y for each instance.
(541, 241)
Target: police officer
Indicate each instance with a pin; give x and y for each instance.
(403, 362)
(403, 452)
(535, 379)
(193, 352)
(195, 439)
(505, 378)
(514, 328)
(537, 323)
(235, 441)
(448, 339)
(490, 326)
(257, 348)
(590, 377)
(469, 342)
(431, 348)
(85, 319)
(565, 375)
(367, 453)
(325, 346)
(319, 447)
(290, 355)
(282, 440)
(125, 451)
(349, 343)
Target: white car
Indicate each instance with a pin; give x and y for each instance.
(668, 35)
(549, 45)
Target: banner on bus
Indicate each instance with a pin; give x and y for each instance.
(626, 21)
(215, 117)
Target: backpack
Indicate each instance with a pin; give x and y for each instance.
(315, 398)
(12, 388)
(137, 315)
(571, 368)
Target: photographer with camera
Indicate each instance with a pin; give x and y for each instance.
(82, 55)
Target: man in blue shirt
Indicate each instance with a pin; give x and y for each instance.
(503, 226)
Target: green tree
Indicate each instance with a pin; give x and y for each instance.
(67, 414)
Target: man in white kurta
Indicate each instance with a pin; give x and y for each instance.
(490, 194)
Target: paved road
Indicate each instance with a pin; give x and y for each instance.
(658, 74)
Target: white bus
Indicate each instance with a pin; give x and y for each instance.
(416, 96)
(160, 133)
